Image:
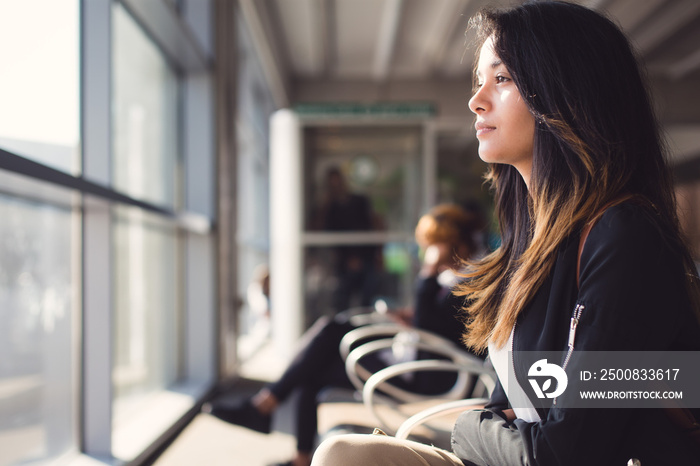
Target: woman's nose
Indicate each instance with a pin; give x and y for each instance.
(477, 103)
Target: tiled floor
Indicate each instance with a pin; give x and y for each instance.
(208, 441)
(211, 442)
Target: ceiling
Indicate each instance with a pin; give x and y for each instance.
(410, 39)
(359, 50)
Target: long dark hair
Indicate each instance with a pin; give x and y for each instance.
(596, 142)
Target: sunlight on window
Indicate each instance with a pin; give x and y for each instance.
(39, 80)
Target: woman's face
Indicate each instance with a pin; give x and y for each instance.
(505, 127)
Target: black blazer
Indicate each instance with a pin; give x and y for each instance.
(632, 286)
(438, 310)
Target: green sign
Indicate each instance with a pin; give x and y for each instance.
(384, 110)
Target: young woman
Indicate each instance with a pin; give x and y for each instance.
(446, 235)
(588, 223)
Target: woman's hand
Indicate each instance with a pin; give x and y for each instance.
(509, 414)
(402, 316)
(438, 257)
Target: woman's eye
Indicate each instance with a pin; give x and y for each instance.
(502, 79)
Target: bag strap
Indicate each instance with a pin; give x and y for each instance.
(581, 243)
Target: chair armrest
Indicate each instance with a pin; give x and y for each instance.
(465, 368)
(391, 329)
(436, 411)
(356, 373)
(370, 318)
(426, 341)
(369, 331)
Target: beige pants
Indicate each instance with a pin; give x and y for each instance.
(380, 450)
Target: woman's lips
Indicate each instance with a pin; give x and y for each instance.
(482, 129)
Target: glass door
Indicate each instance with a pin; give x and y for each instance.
(362, 198)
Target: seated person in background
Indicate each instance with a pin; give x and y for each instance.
(446, 236)
(258, 295)
(342, 210)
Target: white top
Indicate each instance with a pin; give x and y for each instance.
(502, 360)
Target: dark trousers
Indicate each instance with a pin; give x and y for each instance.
(317, 365)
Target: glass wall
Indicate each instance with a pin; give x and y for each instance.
(255, 106)
(147, 320)
(37, 358)
(39, 288)
(148, 253)
(107, 282)
(39, 83)
(145, 115)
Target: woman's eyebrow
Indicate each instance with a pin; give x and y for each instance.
(494, 65)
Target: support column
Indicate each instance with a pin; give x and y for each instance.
(286, 224)
(97, 340)
(226, 86)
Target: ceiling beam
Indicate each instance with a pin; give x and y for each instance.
(269, 55)
(388, 32)
(300, 30)
(315, 29)
(632, 13)
(443, 93)
(684, 66)
(594, 4)
(325, 34)
(669, 20)
(676, 100)
(439, 38)
(173, 35)
(683, 142)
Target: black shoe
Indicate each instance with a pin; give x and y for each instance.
(244, 415)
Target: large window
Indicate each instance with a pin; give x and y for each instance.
(145, 115)
(37, 295)
(255, 106)
(39, 82)
(147, 320)
(107, 258)
(39, 285)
